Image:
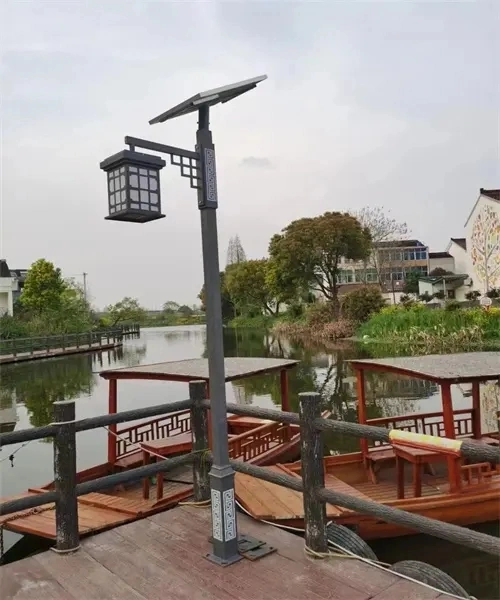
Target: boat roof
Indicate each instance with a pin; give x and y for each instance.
(459, 368)
(197, 368)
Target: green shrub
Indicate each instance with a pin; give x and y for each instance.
(360, 304)
(452, 305)
(295, 310)
(399, 323)
(320, 314)
(11, 328)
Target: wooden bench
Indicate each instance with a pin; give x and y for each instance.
(176, 444)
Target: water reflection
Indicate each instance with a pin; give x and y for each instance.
(38, 384)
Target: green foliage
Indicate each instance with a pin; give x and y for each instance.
(260, 321)
(360, 304)
(185, 310)
(48, 305)
(247, 285)
(295, 310)
(170, 307)
(11, 327)
(452, 305)
(426, 297)
(419, 324)
(493, 293)
(126, 310)
(411, 282)
(43, 288)
(228, 309)
(308, 251)
(439, 272)
(474, 295)
(439, 295)
(320, 314)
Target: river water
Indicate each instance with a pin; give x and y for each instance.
(29, 389)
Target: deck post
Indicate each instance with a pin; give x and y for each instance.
(449, 430)
(476, 410)
(313, 475)
(361, 394)
(112, 408)
(199, 432)
(67, 534)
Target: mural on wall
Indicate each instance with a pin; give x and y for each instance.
(485, 247)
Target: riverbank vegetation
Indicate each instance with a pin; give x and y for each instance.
(48, 305)
(51, 305)
(295, 290)
(441, 328)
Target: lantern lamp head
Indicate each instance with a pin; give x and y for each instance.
(133, 186)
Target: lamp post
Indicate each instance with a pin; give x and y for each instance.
(134, 196)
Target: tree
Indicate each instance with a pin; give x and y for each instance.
(44, 287)
(360, 304)
(235, 252)
(227, 304)
(439, 272)
(309, 250)
(185, 310)
(426, 297)
(411, 282)
(473, 295)
(382, 228)
(247, 285)
(127, 309)
(170, 307)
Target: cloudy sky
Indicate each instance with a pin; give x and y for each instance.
(367, 103)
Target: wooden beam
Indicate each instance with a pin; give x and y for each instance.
(449, 429)
(112, 409)
(476, 410)
(360, 389)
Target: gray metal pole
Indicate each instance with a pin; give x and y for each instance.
(224, 526)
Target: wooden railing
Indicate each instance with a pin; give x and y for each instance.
(16, 346)
(478, 473)
(161, 428)
(427, 423)
(316, 496)
(256, 442)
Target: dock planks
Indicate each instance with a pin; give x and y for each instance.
(162, 556)
(100, 511)
(54, 352)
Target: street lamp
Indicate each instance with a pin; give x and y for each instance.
(199, 167)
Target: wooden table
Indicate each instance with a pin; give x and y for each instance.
(419, 457)
(177, 444)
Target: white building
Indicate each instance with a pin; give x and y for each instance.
(475, 257)
(8, 286)
(482, 234)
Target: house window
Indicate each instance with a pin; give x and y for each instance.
(451, 294)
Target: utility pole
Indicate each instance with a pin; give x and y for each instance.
(85, 286)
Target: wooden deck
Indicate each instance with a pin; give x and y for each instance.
(54, 352)
(163, 557)
(101, 511)
(267, 501)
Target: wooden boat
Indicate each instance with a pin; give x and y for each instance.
(257, 441)
(430, 483)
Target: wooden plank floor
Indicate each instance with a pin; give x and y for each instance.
(101, 511)
(52, 353)
(265, 500)
(163, 557)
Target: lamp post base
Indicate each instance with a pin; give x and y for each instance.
(224, 526)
